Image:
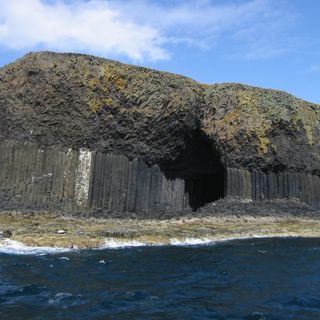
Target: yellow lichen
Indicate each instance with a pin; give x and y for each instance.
(94, 104)
(145, 111)
(309, 119)
(120, 84)
(108, 101)
(94, 82)
(114, 77)
(263, 146)
(245, 116)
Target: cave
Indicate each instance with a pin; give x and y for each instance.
(199, 165)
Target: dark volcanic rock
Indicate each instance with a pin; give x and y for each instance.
(263, 128)
(185, 144)
(78, 101)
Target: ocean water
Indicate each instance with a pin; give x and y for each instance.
(253, 279)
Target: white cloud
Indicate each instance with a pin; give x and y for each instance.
(79, 26)
(139, 29)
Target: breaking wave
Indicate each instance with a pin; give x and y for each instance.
(111, 243)
(14, 247)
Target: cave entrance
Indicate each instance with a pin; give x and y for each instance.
(199, 165)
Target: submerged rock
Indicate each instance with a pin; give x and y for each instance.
(94, 136)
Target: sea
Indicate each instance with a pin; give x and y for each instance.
(249, 279)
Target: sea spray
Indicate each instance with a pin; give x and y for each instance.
(14, 247)
(9, 246)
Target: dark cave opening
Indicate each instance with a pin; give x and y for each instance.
(199, 165)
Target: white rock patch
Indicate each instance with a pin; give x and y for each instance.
(82, 182)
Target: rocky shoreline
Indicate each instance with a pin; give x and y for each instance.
(44, 229)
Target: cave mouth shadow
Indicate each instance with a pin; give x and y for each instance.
(200, 167)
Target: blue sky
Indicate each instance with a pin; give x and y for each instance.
(266, 43)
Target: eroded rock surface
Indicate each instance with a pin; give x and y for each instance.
(113, 137)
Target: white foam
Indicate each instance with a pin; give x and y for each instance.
(14, 247)
(111, 243)
(191, 241)
(211, 241)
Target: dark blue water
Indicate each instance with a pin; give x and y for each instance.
(248, 279)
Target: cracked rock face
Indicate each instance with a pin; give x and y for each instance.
(82, 133)
(79, 101)
(260, 128)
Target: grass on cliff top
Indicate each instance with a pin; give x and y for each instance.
(41, 229)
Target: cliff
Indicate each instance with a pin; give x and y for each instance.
(82, 133)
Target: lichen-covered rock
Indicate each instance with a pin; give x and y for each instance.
(77, 101)
(262, 128)
(74, 100)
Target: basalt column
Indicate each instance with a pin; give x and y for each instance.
(196, 177)
(122, 185)
(258, 185)
(97, 183)
(37, 177)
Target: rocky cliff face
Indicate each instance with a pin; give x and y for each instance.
(78, 101)
(148, 141)
(260, 128)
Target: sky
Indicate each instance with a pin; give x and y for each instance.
(266, 43)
